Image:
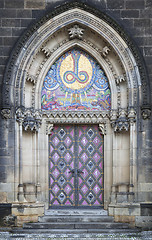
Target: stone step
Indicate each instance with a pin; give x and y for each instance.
(94, 212)
(74, 231)
(76, 225)
(76, 218)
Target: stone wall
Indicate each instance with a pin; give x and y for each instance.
(135, 16)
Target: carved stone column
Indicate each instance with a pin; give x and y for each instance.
(133, 149)
(20, 118)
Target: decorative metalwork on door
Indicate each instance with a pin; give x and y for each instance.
(76, 166)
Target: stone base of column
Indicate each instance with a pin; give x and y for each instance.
(21, 193)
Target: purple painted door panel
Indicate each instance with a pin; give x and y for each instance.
(76, 166)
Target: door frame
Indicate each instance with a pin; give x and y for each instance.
(106, 131)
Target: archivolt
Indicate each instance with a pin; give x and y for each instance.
(102, 38)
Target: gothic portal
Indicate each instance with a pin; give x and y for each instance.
(74, 92)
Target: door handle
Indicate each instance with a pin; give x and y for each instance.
(78, 171)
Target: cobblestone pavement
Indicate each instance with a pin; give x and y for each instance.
(134, 236)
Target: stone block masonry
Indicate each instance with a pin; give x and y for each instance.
(16, 15)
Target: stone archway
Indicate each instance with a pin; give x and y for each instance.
(107, 43)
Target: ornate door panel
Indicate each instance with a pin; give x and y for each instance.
(90, 165)
(76, 166)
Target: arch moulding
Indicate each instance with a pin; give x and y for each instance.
(96, 34)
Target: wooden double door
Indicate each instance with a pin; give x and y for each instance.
(75, 166)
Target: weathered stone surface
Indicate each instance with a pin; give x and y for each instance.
(39, 4)
(125, 219)
(135, 4)
(10, 22)
(25, 219)
(135, 17)
(119, 4)
(28, 209)
(3, 197)
(14, 4)
(23, 13)
(144, 222)
(130, 13)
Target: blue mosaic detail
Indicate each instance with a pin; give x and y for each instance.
(75, 82)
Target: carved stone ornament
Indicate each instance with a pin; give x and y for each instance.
(6, 113)
(31, 78)
(146, 112)
(76, 32)
(132, 115)
(49, 128)
(75, 117)
(105, 51)
(29, 119)
(120, 79)
(121, 125)
(103, 128)
(121, 121)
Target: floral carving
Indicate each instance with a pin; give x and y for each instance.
(146, 112)
(103, 128)
(49, 128)
(121, 121)
(76, 32)
(29, 119)
(6, 113)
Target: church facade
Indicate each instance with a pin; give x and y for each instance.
(76, 117)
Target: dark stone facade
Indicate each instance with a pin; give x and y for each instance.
(134, 16)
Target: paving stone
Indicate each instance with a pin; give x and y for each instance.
(92, 236)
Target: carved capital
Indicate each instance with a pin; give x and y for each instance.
(6, 113)
(49, 128)
(121, 125)
(76, 32)
(29, 119)
(146, 112)
(113, 116)
(123, 113)
(119, 121)
(132, 115)
(19, 116)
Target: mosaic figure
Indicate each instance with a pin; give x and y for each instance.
(75, 82)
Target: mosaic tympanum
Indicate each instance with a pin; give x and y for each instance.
(75, 82)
